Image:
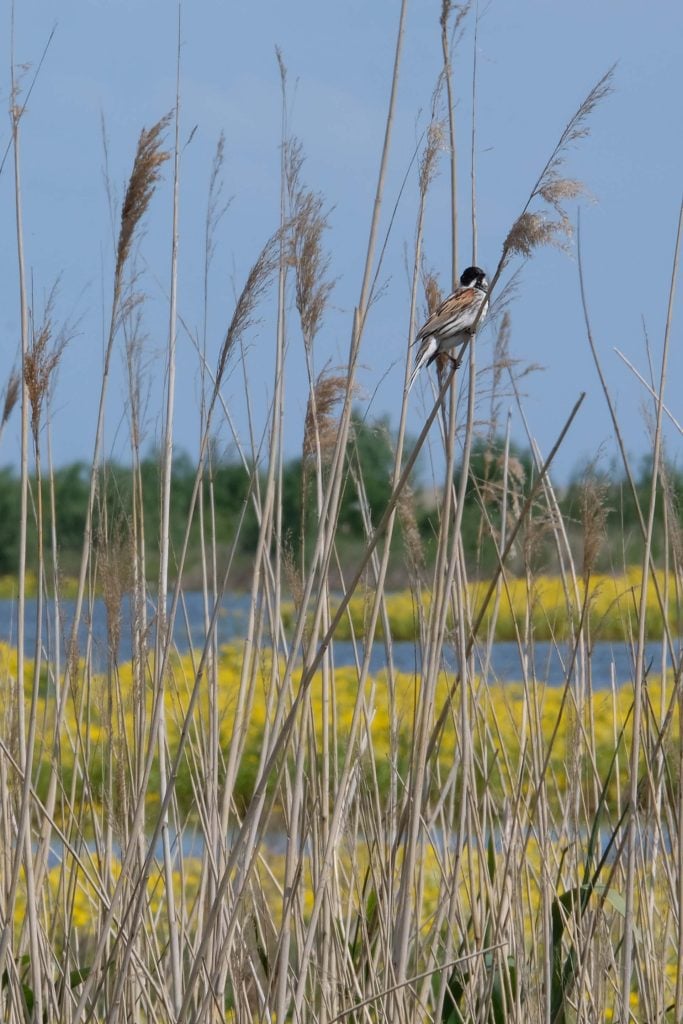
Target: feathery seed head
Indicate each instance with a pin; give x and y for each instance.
(531, 230)
(594, 514)
(305, 250)
(321, 427)
(146, 173)
(428, 164)
(11, 396)
(40, 362)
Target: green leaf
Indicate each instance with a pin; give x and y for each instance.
(262, 955)
(563, 974)
(503, 992)
(615, 898)
(491, 858)
(29, 998)
(78, 976)
(455, 987)
(229, 998)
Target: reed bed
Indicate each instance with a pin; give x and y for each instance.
(257, 833)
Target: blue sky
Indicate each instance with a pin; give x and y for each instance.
(115, 60)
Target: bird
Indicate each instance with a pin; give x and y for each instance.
(450, 325)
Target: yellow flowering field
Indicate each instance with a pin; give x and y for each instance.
(9, 586)
(555, 612)
(513, 729)
(504, 720)
(475, 874)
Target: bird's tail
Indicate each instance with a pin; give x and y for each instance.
(426, 351)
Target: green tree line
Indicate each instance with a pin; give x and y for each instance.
(495, 492)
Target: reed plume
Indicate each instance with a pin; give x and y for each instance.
(115, 557)
(321, 426)
(40, 362)
(12, 389)
(257, 283)
(594, 513)
(433, 296)
(308, 223)
(501, 362)
(321, 430)
(534, 228)
(410, 530)
(149, 158)
(11, 396)
(217, 206)
(432, 291)
(428, 163)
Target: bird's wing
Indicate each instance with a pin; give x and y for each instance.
(448, 314)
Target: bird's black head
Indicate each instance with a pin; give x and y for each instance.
(474, 277)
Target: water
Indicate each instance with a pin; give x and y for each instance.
(550, 661)
(231, 624)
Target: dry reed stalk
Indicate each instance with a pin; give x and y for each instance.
(144, 177)
(162, 638)
(41, 361)
(628, 950)
(333, 492)
(648, 387)
(521, 238)
(308, 222)
(628, 471)
(55, 666)
(413, 800)
(448, 590)
(281, 735)
(210, 631)
(639, 675)
(425, 177)
(312, 292)
(473, 138)
(530, 230)
(447, 45)
(442, 591)
(378, 608)
(26, 733)
(256, 284)
(216, 209)
(320, 437)
(134, 346)
(217, 928)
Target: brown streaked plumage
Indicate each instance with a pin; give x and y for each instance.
(451, 324)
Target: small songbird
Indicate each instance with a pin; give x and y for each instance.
(451, 324)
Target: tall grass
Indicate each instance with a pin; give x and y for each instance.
(254, 832)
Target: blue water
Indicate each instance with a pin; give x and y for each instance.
(548, 662)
